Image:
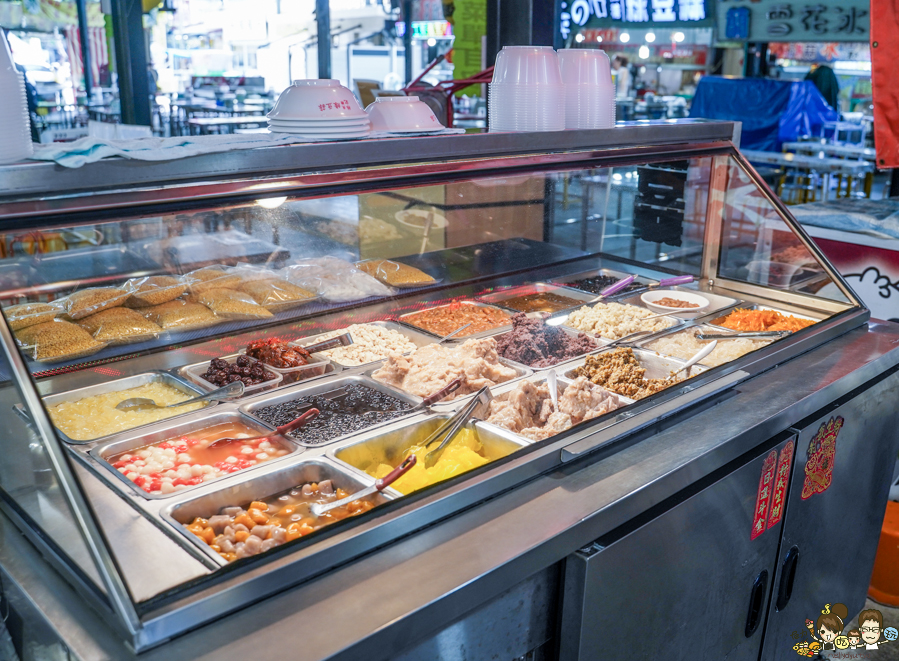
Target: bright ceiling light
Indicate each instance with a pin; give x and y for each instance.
(643, 52)
(599, 37)
(650, 37)
(678, 36)
(579, 38)
(624, 37)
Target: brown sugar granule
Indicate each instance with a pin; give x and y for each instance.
(393, 273)
(90, 301)
(232, 304)
(30, 314)
(120, 326)
(153, 290)
(57, 340)
(276, 294)
(179, 315)
(211, 278)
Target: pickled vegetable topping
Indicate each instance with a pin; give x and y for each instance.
(251, 373)
(186, 461)
(278, 354)
(762, 320)
(598, 283)
(264, 524)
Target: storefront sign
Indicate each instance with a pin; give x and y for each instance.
(822, 451)
(426, 29)
(776, 20)
(782, 481)
(470, 28)
(822, 53)
(763, 498)
(645, 13)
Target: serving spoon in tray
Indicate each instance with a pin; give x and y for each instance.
(283, 430)
(318, 509)
(231, 391)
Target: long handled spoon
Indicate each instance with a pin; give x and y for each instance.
(455, 332)
(231, 391)
(553, 386)
(699, 355)
(318, 509)
(283, 430)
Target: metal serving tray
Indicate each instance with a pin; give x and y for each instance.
(443, 405)
(564, 280)
(326, 386)
(600, 341)
(415, 335)
(135, 443)
(124, 384)
(194, 373)
(390, 445)
(644, 344)
(179, 514)
(756, 306)
(499, 298)
(678, 322)
(538, 380)
(716, 302)
(656, 366)
(487, 333)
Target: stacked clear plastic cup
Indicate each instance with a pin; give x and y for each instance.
(527, 92)
(15, 137)
(589, 92)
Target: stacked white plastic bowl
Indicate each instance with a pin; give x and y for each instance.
(15, 124)
(402, 114)
(589, 92)
(527, 93)
(319, 108)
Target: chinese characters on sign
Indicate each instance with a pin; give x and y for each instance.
(763, 497)
(579, 12)
(777, 20)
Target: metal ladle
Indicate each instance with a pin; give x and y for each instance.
(231, 391)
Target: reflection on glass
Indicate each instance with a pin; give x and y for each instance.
(757, 245)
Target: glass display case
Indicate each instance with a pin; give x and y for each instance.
(469, 262)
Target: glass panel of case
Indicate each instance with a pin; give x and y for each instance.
(171, 304)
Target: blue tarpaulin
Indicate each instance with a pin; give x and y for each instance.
(772, 111)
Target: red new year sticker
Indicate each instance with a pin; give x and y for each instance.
(782, 480)
(763, 498)
(822, 452)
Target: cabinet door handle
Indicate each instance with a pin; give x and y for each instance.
(787, 576)
(756, 602)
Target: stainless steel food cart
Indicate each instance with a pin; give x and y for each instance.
(708, 520)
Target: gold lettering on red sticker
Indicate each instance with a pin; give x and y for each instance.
(822, 451)
(763, 498)
(781, 482)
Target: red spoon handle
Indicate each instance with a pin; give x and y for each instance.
(296, 424)
(450, 387)
(396, 473)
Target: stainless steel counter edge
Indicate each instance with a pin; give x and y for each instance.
(33, 178)
(400, 595)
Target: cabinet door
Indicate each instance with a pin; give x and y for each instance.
(833, 521)
(682, 585)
